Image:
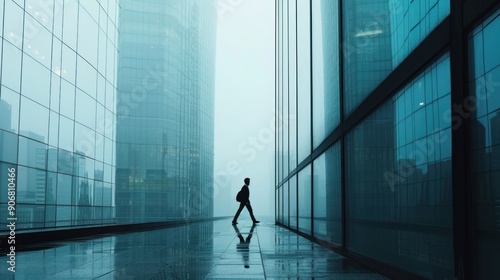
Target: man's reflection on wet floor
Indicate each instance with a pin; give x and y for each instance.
(243, 246)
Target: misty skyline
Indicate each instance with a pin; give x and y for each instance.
(244, 106)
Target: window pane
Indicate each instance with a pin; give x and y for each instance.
(9, 110)
(292, 73)
(32, 153)
(64, 183)
(13, 24)
(378, 36)
(36, 81)
(11, 76)
(304, 79)
(328, 196)
(325, 35)
(395, 184)
(293, 202)
(8, 148)
(485, 144)
(304, 195)
(34, 121)
(30, 186)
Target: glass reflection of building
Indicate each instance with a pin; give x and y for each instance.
(374, 176)
(165, 110)
(57, 92)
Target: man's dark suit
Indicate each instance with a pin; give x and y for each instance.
(245, 201)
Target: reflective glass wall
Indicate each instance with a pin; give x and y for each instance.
(484, 103)
(378, 109)
(58, 94)
(90, 89)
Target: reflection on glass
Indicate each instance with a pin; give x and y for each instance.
(327, 196)
(304, 202)
(398, 179)
(165, 111)
(293, 201)
(326, 92)
(292, 94)
(48, 127)
(484, 81)
(304, 79)
(378, 36)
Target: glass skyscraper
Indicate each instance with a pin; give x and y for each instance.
(387, 133)
(58, 94)
(106, 112)
(165, 110)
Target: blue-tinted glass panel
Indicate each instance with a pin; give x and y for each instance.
(284, 109)
(36, 81)
(32, 153)
(327, 196)
(67, 99)
(37, 111)
(68, 63)
(378, 36)
(13, 24)
(326, 94)
(30, 187)
(37, 41)
(9, 110)
(280, 205)
(11, 76)
(292, 95)
(293, 201)
(34, 120)
(304, 195)
(64, 186)
(87, 37)
(42, 12)
(85, 109)
(285, 204)
(86, 78)
(484, 85)
(396, 182)
(304, 79)
(70, 24)
(8, 148)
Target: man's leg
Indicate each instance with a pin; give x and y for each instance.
(250, 210)
(235, 219)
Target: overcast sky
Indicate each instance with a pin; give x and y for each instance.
(244, 106)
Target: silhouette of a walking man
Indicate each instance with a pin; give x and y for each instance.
(245, 201)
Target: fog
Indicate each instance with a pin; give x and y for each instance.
(244, 106)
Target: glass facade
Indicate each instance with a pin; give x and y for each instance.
(378, 35)
(484, 102)
(165, 110)
(375, 176)
(398, 177)
(58, 94)
(90, 89)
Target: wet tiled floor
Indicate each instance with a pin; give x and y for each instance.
(208, 250)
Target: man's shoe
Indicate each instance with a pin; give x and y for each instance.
(256, 222)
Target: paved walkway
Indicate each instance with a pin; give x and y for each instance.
(209, 250)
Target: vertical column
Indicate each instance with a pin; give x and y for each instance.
(311, 113)
(459, 135)
(342, 144)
